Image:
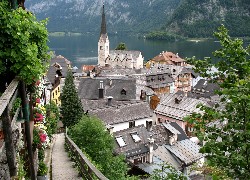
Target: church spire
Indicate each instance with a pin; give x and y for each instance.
(103, 26)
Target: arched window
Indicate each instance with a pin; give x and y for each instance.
(123, 92)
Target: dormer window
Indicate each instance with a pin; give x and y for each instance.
(135, 137)
(123, 92)
(120, 141)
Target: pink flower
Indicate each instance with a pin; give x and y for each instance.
(43, 137)
(38, 100)
(38, 117)
(38, 82)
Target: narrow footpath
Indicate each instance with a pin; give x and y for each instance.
(62, 168)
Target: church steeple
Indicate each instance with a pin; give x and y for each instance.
(103, 43)
(103, 25)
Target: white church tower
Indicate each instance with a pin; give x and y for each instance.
(103, 43)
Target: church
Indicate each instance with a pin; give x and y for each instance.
(116, 58)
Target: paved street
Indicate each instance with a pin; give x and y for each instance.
(62, 168)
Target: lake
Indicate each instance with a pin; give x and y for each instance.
(83, 49)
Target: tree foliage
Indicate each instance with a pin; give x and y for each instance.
(121, 46)
(161, 35)
(23, 44)
(167, 172)
(52, 118)
(91, 137)
(227, 141)
(71, 107)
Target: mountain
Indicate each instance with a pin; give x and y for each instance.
(200, 18)
(189, 18)
(85, 15)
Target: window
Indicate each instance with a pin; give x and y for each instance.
(120, 141)
(58, 88)
(53, 95)
(101, 48)
(123, 92)
(56, 92)
(135, 137)
(131, 124)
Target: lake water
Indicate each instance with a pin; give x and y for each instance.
(83, 49)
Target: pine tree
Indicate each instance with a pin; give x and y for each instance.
(71, 108)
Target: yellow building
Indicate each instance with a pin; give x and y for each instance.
(57, 71)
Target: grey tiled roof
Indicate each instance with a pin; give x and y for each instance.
(168, 106)
(132, 148)
(162, 153)
(122, 112)
(161, 134)
(89, 88)
(204, 88)
(52, 70)
(186, 150)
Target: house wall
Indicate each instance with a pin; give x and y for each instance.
(161, 118)
(55, 95)
(125, 125)
(183, 82)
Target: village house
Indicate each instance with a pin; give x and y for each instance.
(175, 107)
(148, 148)
(119, 88)
(122, 58)
(135, 144)
(203, 89)
(56, 74)
(119, 115)
(166, 58)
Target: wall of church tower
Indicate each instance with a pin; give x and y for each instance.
(103, 49)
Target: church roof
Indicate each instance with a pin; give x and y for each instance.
(124, 54)
(103, 25)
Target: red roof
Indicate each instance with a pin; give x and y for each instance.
(168, 57)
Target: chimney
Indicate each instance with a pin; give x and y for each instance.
(151, 143)
(110, 129)
(109, 100)
(101, 90)
(172, 139)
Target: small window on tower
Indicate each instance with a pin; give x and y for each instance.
(107, 47)
(101, 47)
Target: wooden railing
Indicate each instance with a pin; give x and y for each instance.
(7, 122)
(87, 169)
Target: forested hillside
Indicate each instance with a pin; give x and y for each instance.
(199, 18)
(188, 18)
(121, 15)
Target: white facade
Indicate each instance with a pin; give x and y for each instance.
(103, 49)
(125, 125)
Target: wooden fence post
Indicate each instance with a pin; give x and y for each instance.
(9, 146)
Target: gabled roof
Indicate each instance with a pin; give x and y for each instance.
(178, 106)
(122, 112)
(168, 57)
(89, 88)
(204, 88)
(63, 62)
(165, 155)
(132, 147)
(185, 150)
